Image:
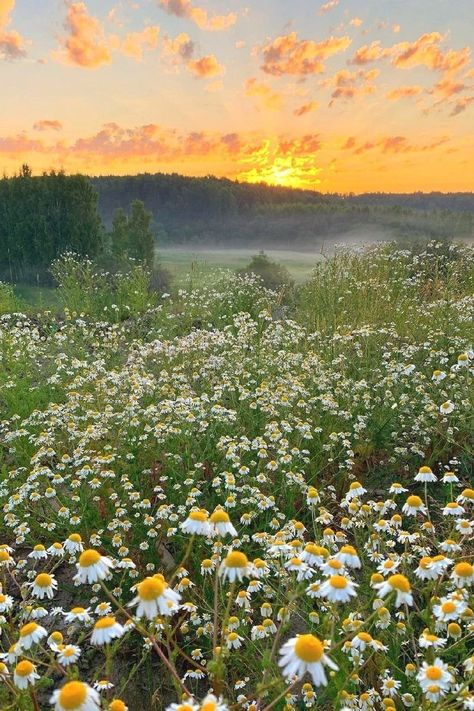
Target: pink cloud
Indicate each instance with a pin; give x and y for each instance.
(289, 55)
(185, 8)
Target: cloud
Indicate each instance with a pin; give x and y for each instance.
(268, 98)
(135, 43)
(356, 22)
(85, 44)
(180, 48)
(328, 6)
(368, 53)
(12, 44)
(462, 104)
(306, 108)
(424, 51)
(185, 8)
(47, 125)
(392, 144)
(403, 92)
(206, 67)
(288, 55)
(350, 85)
(446, 88)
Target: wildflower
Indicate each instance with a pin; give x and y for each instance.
(220, 521)
(355, 490)
(399, 584)
(413, 506)
(69, 654)
(44, 585)
(436, 673)
(78, 614)
(305, 653)
(338, 588)
(92, 567)
(105, 630)
(348, 556)
(31, 634)
(234, 641)
(463, 574)
(453, 509)
(117, 705)
(235, 566)
(73, 544)
(197, 523)
(425, 474)
(446, 408)
(155, 597)
(75, 696)
(25, 674)
(38, 553)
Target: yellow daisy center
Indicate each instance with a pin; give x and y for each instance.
(399, 582)
(464, 570)
(220, 516)
(104, 623)
(43, 580)
(28, 629)
(72, 695)
(88, 558)
(236, 559)
(24, 668)
(151, 588)
(338, 581)
(309, 648)
(198, 516)
(414, 501)
(434, 673)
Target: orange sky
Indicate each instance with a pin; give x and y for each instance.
(338, 96)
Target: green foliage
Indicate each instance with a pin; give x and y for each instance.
(41, 217)
(8, 300)
(273, 275)
(131, 235)
(84, 289)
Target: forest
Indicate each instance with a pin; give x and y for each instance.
(41, 217)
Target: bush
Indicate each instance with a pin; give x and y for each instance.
(102, 294)
(8, 300)
(273, 275)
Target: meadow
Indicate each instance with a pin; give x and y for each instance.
(227, 497)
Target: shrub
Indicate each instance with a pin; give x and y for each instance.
(273, 275)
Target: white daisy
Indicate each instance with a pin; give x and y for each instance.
(305, 653)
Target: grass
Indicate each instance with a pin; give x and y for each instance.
(139, 428)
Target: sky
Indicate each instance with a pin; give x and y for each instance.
(335, 96)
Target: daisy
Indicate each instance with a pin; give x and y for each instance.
(436, 673)
(25, 674)
(69, 654)
(44, 585)
(463, 574)
(305, 653)
(304, 572)
(92, 567)
(425, 570)
(105, 630)
(348, 556)
(314, 554)
(427, 640)
(425, 474)
(453, 509)
(155, 597)
(466, 496)
(234, 641)
(388, 567)
(31, 634)
(117, 705)
(221, 525)
(337, 588)
(75, 696)
(235, 566)
(73, 544)
(78, 614)
(413, 506)
(6, 603)
(399, 584)
(212, 703)
(38, 553)
(446, 407)
(197, 523)
(449, 478)
(465, 527)
(56, 549)
(355, 490)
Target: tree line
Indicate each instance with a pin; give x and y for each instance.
(116, 218)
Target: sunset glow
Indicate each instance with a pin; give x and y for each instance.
(337, 96)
